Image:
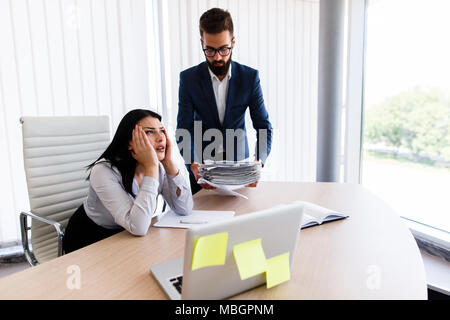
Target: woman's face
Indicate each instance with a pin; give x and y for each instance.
(156, 135)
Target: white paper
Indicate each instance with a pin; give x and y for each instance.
(225, 190)
(199, 217)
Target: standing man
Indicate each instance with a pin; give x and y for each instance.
(216, 94)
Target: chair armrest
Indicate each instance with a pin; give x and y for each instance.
(55, 224)
(24, 228)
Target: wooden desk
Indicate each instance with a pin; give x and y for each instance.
(371, 255)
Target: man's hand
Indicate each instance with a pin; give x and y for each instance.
(195, 170)
(252, 185)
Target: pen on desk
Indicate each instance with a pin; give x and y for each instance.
(193, 222)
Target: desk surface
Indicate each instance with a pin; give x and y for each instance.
(371, 255)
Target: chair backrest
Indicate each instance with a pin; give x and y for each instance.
(56, 151)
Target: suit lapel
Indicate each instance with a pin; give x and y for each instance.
(208, 91)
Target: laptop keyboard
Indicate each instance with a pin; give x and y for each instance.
(177, 282)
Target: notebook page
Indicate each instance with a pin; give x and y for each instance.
(320, 214)
(308, 221)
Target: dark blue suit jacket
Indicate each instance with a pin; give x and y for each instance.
(196, 102)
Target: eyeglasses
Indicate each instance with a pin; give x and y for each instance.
(223, 51)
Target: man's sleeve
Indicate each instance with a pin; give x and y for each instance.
(260, 119)
(185, 123)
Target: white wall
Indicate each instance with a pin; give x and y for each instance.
(64, 57)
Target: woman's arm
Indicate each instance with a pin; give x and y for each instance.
(176, 190)
(134, 215)
(177, 193)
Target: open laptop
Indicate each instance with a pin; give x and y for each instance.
(278, 227)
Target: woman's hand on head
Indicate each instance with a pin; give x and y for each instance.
(142, 150)
(169, 165)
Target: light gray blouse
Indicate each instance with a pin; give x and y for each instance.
(110, 206)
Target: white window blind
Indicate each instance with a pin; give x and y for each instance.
(68, 57)
(280, 39)
(82, 57)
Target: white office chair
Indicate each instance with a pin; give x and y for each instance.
(56, 151)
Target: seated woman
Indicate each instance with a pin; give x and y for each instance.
(125, 182)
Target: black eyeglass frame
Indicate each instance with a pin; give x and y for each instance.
(217, 50)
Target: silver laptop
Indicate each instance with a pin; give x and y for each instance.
(278, 227)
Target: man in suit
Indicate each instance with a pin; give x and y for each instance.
(214, 96)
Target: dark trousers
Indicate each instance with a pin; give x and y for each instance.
(195, 187)
(81, 231)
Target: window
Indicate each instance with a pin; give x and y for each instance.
(406, 137)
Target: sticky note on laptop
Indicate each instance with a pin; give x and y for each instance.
(209, 250)
(250, 258)
(278, 270)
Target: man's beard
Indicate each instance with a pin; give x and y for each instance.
(219, 70)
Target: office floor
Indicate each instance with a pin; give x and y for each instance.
(13, 265)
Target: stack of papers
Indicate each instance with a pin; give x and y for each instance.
(230, 173)
(224, 190)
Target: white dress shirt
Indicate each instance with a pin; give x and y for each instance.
(109, 205)
(220, 92)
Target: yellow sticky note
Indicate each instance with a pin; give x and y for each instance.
(209, 250)
(250, 258)
(278, 270)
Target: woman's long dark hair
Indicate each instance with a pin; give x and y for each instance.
(117, 153)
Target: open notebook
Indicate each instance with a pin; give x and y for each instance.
(314, 214)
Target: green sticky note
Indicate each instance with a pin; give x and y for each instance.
(209, 250)
(278, 270)
(250, 258)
